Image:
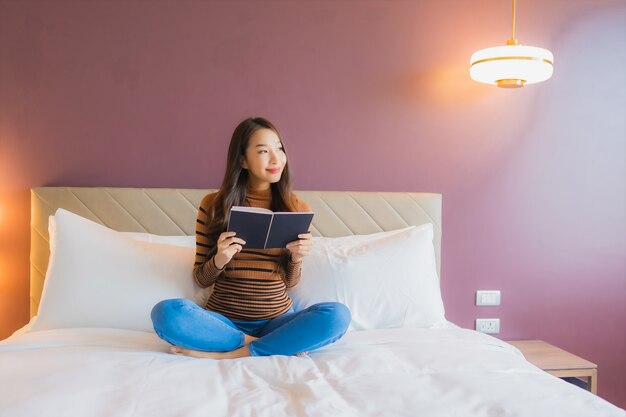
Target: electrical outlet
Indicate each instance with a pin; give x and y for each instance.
(491, 326)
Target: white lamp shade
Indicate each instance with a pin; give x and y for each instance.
(511, 62)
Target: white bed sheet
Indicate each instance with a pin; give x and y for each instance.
(400, 372)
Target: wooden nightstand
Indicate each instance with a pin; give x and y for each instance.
(558, 362)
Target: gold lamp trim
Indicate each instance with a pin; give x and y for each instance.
(510, 83)
(512, 58)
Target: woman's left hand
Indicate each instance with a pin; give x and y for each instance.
(301, 247)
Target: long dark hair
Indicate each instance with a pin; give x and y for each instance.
(235, 183)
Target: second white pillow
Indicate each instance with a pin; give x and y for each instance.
(387, 280)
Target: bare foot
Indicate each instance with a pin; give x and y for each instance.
(233, 354)
(242, 352)
(237, 353)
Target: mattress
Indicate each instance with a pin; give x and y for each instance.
(446, 371)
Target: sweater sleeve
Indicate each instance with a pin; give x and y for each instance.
(293, 271)
(205, 272)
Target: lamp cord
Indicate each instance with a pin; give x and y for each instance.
(513, 26)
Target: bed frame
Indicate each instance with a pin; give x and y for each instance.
(169, 211)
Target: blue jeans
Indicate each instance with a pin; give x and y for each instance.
(183, 323)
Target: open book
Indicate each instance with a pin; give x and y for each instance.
(264, 229)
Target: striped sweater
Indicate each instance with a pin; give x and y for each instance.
(253, 285)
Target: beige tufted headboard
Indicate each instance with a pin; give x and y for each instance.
(168, 211)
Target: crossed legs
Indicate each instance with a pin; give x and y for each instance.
(196, 332)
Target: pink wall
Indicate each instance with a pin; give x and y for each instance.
(369, 95)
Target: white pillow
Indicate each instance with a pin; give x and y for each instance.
(387, 279)
(98, 277)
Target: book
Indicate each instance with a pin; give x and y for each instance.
(265, 229)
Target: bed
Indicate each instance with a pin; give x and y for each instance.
(87, 354)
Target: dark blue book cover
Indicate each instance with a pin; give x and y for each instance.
(286, 226)
(263, 229)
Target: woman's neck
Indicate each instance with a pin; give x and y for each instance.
(258, 187)
(259, 190)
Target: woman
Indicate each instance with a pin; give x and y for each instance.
(249, 312)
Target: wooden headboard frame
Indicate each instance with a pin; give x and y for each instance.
(168, 211)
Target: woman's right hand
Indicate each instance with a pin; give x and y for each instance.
(227, 246)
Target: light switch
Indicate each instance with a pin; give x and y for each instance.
(488, 297)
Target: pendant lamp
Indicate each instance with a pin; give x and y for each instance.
(512, 65)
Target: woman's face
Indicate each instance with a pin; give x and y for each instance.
(264, 159)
